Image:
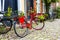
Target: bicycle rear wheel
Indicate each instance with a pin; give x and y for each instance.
(5, 26)
(38, 25)
(19, 31)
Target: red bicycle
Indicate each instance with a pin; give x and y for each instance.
(21, 27)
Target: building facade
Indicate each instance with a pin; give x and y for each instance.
(22, 5)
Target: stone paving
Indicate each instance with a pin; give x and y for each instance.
(51, 31)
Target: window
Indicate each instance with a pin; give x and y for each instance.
(38, 6)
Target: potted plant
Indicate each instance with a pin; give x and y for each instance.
(41, 17)
(8, 13)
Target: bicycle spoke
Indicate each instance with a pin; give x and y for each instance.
(19, 30)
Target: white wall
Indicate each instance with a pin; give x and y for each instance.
(2, 6)
(25, 7)
(21, 5)
(58, 4)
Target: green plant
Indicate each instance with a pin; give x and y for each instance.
(58, 12)
(41, 17)
(21, 13)
(2, 29)
(8, 13)
(46, 15)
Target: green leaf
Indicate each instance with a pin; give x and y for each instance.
(8, 12)
(41, 17)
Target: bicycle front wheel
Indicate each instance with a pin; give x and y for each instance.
(19, 31)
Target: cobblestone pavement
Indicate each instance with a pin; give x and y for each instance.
(51, 31)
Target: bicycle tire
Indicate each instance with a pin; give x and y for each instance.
(5, 25)
(20, 29)
(38, 26)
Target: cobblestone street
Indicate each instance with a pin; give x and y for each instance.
(51, 31)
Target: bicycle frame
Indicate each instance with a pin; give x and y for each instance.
(29, 25)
